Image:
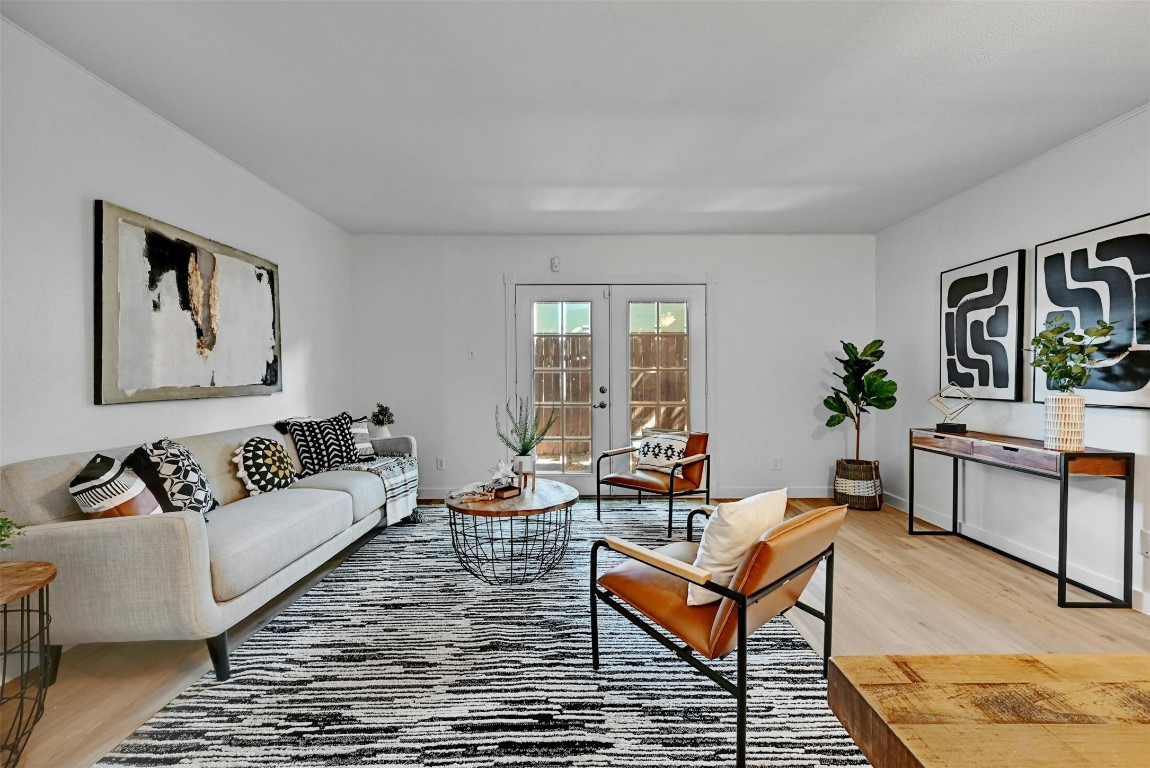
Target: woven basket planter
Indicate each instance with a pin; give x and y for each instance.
(858, 484)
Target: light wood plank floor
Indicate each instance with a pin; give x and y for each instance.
(893, 594)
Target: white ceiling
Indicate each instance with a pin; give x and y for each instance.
(616, 117)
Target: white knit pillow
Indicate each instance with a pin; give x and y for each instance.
(734, 527)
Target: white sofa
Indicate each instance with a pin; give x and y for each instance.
(171, 576)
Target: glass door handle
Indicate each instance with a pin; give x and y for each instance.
(602, 404)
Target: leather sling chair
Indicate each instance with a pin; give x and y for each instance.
(696, 466)
(769, 581)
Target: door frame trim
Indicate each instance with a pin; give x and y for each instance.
(511, 280)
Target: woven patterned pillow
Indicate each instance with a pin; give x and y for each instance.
(263, 465)
(106, 488)
(323, 444)
(361, 436)
(173, 476)
(659, 453)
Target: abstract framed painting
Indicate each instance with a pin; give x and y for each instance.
(180, 317)
(1101, 273)
(980, 324)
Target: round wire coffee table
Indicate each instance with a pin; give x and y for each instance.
(516, 540)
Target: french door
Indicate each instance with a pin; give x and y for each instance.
(609, 362)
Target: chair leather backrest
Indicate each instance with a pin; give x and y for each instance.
(783, 548)
(696, 444)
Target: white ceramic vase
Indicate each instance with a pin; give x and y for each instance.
(523, 464)
(1065, 422)
(378, 433)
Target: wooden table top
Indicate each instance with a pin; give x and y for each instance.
(548, 496)
(1038, 711)
(23, 577)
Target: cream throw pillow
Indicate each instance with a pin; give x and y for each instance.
(734, 527)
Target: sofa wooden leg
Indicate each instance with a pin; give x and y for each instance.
(218, 650)
(53, 662)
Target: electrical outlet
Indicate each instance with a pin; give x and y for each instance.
(441, 462)
(471, 353)
(776, 463)
(1145, 549)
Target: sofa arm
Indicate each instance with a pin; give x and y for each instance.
(126, 578)
(395, 444)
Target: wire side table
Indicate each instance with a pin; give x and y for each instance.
(516, 540)
(24, 657)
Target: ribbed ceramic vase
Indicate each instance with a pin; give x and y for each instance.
(1065, 422)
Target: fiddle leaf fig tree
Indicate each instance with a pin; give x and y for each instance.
(863, 387)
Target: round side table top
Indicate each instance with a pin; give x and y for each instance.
(19, 578)
(548, 496)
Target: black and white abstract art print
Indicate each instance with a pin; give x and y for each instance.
(179, 316)
(1102, 273)
(981, 327)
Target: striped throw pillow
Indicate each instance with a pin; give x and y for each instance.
(361, 436)
(105, 488)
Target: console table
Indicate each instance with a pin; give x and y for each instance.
(1020, 454)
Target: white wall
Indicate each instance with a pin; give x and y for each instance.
(777, 309)
(1098, 179)
(67, 139)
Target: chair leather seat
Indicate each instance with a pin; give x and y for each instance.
(646, 480)
(662, 598)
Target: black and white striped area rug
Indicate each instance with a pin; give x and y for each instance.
(400, 658)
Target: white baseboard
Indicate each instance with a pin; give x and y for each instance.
(1107, 584)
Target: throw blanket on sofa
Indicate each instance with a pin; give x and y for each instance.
(400, 474)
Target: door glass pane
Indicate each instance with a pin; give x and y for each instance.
(562, 376)
(658, 361)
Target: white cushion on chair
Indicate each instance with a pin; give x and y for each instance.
(731, 531)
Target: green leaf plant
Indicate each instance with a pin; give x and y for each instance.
(9, 530)
(382, 415)
(1066, 356)
(863, 387)
(523, 427)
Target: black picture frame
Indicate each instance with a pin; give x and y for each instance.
(1067, 273)
(980, 326)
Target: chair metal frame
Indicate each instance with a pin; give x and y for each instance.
(706, 487)
(738, 689)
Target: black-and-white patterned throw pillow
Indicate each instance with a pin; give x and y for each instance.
(659, 453)
(173, 476)
(323, 444)
(263, 465)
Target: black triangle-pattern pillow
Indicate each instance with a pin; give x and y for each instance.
(323, 444)
(173, 476)
(263, 465)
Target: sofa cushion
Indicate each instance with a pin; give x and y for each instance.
(253, 538)
(366, 490)
(323, 444)
(263, 465)
(106, 488)
(173, 475)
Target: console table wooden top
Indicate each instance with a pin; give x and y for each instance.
(1021, 453)
(989, 710)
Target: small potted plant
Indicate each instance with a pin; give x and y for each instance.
(380, 418)
(857, 482)
(524, 432)
(1067, 358)
(9, 530)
